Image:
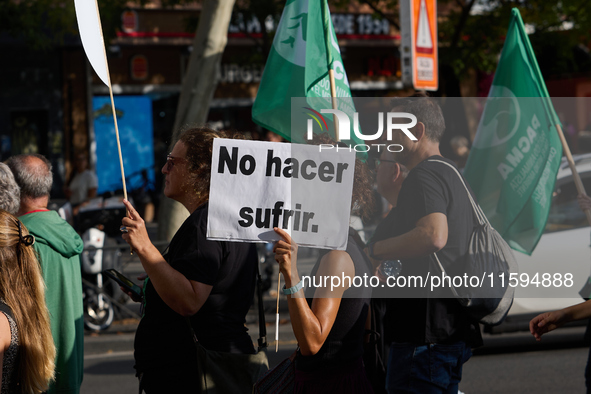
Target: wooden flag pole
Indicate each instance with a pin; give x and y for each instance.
(113, 109)
(112, 101)
(118, 142)
(277, 314)
(333, 94)
(573, 168)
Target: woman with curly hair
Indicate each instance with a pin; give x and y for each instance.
(27, 351)
(207, 281)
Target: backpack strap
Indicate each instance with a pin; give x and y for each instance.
(477, 210)
(482, 220)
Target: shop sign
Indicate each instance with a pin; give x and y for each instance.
(129, 21)
(139, 68)
(360, 25)
(234, 73)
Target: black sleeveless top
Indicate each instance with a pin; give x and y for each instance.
(9, 383)
(344, 343)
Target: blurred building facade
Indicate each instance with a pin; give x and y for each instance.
(53, 101)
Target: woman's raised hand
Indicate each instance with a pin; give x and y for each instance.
(134, 230)
(286, 252)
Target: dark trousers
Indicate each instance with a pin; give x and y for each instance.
(426, 369)
(178, 379)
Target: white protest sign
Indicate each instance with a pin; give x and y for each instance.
(91, 34)
(256, 186)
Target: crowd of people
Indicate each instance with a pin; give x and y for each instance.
(203, 289)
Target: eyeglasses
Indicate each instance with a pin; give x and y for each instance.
(170, 161)
(374, 162)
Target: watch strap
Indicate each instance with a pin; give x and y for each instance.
(294, 289)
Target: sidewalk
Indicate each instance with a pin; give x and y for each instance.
(120, 336)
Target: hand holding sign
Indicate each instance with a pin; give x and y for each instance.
(286, 254)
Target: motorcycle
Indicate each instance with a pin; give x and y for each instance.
(99, 223)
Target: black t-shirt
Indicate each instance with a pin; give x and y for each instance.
(163, 336)
(431, 187)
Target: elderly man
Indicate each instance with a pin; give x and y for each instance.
(59, 247)
(431, 338)
(10, 193)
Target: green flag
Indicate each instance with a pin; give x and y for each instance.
(516, 152)
(304, 48)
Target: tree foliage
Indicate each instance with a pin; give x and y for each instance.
(472, 32)
(44, 24)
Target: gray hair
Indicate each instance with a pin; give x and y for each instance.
(427, 112)
(33, 176)
(10, 193)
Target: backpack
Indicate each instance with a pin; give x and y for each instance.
(491, 260)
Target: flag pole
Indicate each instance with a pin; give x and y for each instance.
(112, 102)
(573, 168)
(118, 142)
(333, 94)
(329, 62)
(277, 314)
(114, 112)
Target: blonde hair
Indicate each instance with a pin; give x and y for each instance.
(23, 290)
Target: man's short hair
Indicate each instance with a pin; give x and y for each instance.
(34, 179)
(10, 193)
(427, 112)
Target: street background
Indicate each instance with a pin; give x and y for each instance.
(507, 363)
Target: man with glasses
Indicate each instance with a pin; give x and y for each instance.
(430, 337)
(389, 178)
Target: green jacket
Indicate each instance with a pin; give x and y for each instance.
(58, 247)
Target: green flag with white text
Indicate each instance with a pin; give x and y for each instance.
(516, 152)
(304, 48)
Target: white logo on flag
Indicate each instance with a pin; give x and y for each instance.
(290, 39)
(500, 120)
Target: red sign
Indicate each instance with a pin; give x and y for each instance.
(424, 44)
(139, 67)
(129, 22)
